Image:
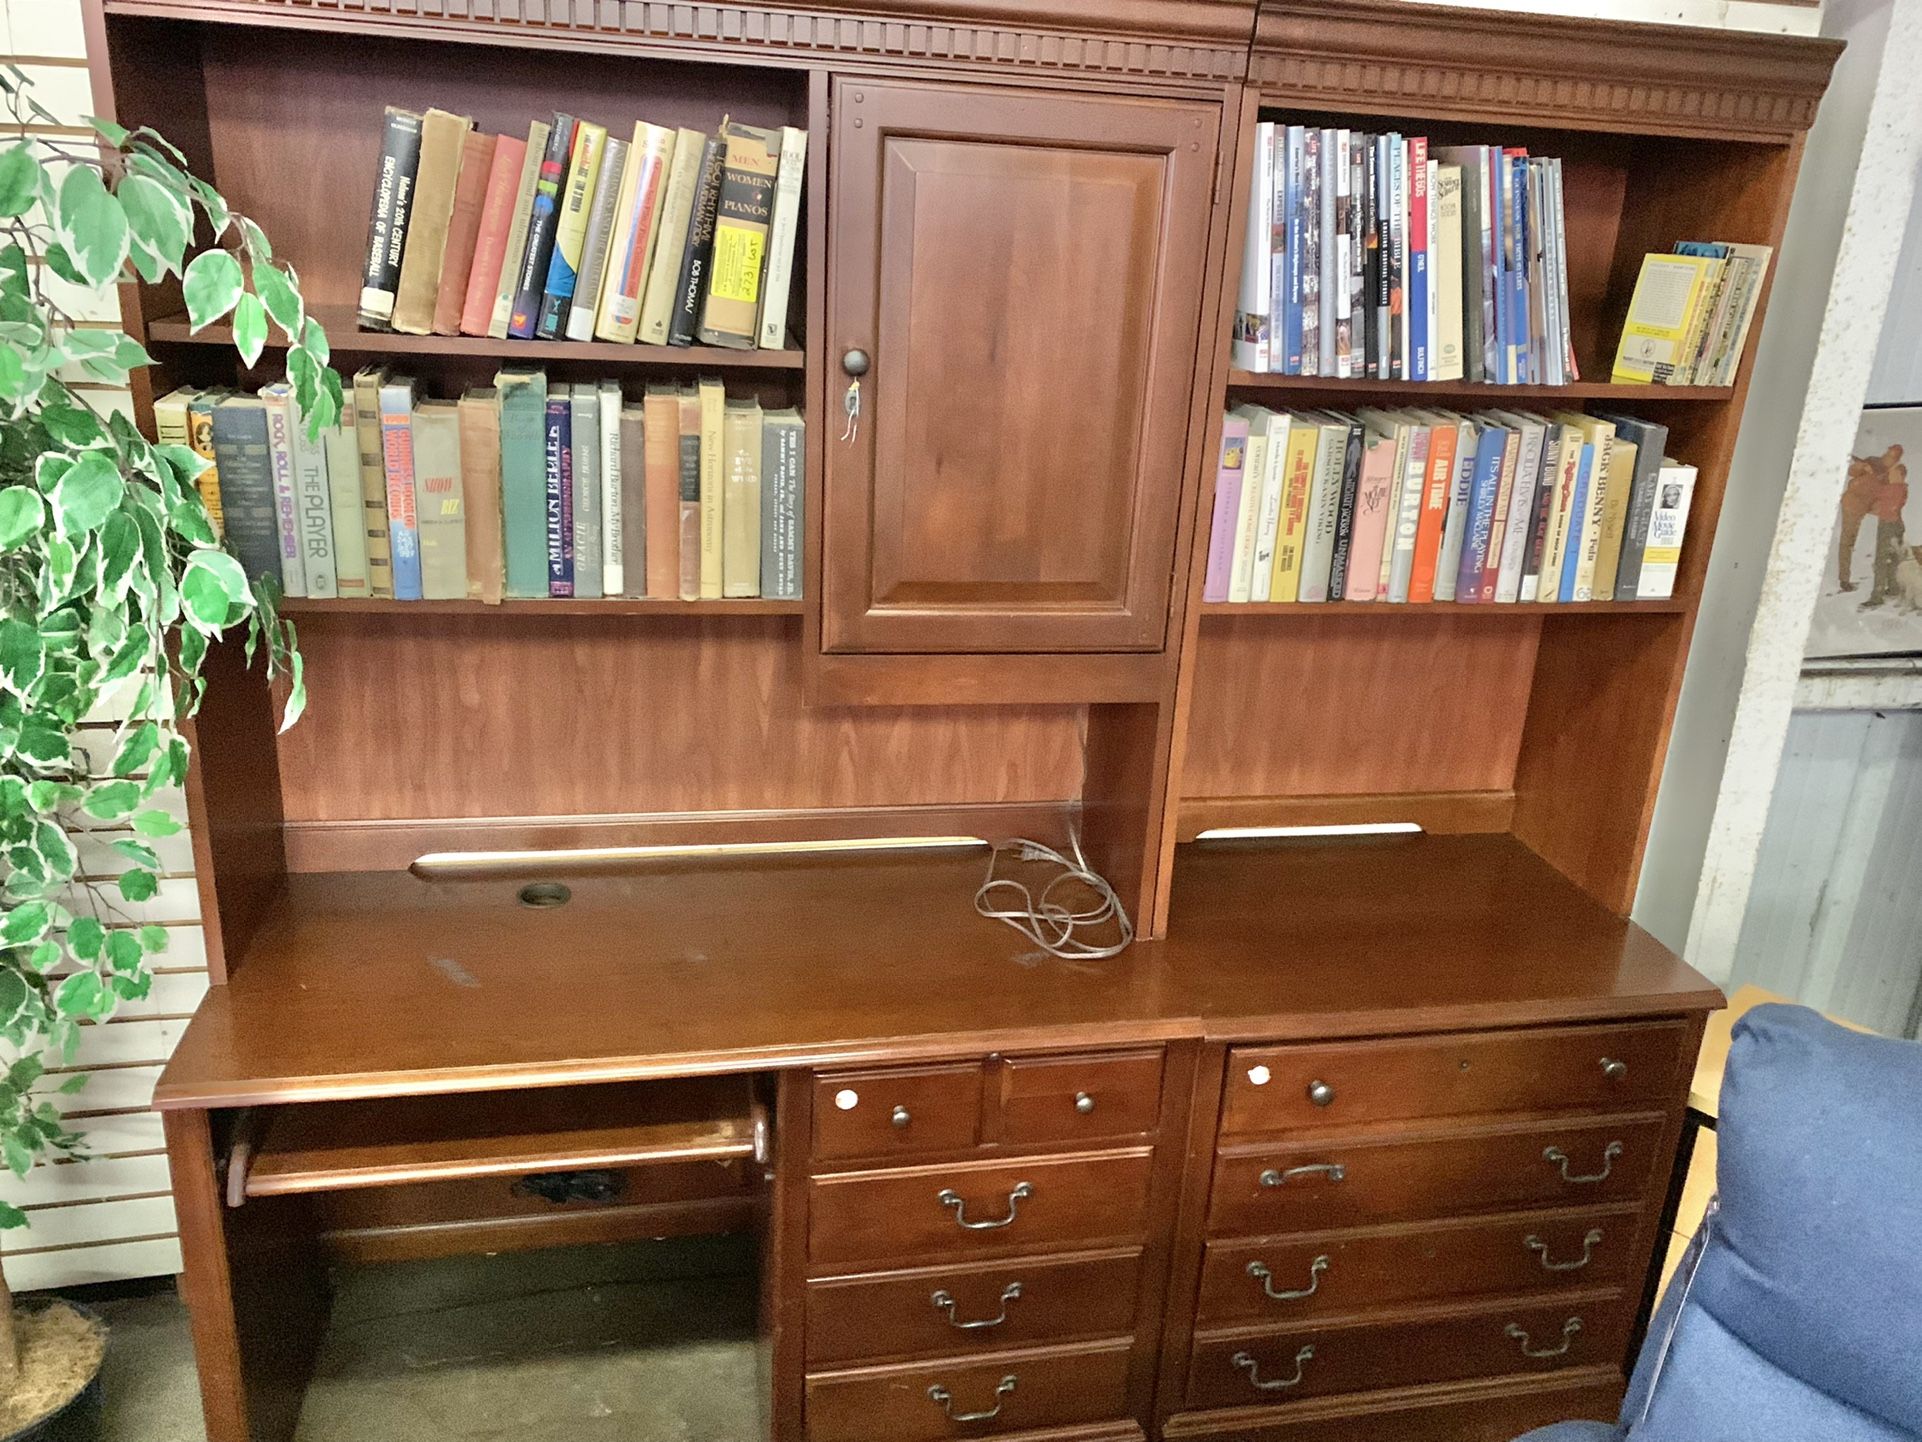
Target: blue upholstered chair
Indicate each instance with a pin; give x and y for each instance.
(1797, 1314)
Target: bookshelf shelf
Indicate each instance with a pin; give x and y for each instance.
(1443, 608)
(556, 606)
(1479, 391)
(347, 339)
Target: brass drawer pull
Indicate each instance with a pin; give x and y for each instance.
(948, 1197)
(1536, 1244)
(944, 1302)
(1614, 1070)
(900, 1116)
(1543, 1354)
(945, 1399)
(1083, 1103)
(1259, 1271)
(1248, 1364)
(1334, 1171)
(1560, 1159)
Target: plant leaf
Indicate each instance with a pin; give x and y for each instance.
(280, 298)
(23, 656)
(88, 494)
(211, 286)
(159, 220)
(210, 587)
(250, 328)
(155, 823)
(92, 226)
(19, 181)
(138, 885)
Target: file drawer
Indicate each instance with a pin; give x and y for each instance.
(899, 1112)
(1079, 1098)
(977, 1397)
(1314, 1274)
(1244, 1368)
(1360, 1180)
(979, 1208)
(1594, 1068)
(934, 1310)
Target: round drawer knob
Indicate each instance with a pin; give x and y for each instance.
(1083, 1103)
(855, 362)
(1320, 1093)
(1614, 1070)
(900, 1117)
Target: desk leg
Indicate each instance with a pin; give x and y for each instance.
(256, 1288)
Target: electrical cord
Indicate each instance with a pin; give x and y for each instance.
(1046, 922)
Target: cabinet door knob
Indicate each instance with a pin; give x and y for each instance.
(1083, 1103)
(1614, 1070)
(1320, 1093)
(855, 362)
(900, 1117)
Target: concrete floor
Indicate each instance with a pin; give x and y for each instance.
(645, 1343)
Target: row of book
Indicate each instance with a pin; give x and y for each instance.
(1417, 506)
(519, 489)
(667, 238)
(1379, 257)
(1689, 319)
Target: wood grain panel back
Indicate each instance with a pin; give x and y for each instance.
(524, 716)
(1346, 704)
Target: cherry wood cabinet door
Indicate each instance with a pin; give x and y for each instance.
(1024, 273)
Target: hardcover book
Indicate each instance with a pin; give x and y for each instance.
(463, 230)
(688, 432)
(741, 221)
(1324, 506)
(1297, 463)
(613, 493)
(640, 230)
(559, 477)
(1455, 528)
(1674, 489)
(490, 243)
(741, 512)
(637, 560)
(1342, 554)
(387, 226)
(662, 449)
(523, 427)
(1614, 522)
(443, 144)
(1254, 304)
(373, 481)
(679, 177)
(570, 230)
(1227, 512)
(200, 436)
(438, 501)
(713, 406)
(341, 447)
(697, 251)
(397, 455)
(783, 498)
(481, 493)
(584, 442)
(542, 218)
(281, 422)
(601, 210)
(1651, 443)
(514, 252)
(782, 231)
(1371, 524)
(247, 483)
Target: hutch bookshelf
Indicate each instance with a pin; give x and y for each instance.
(1320, 1055)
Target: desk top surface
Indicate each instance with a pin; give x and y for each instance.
(376, 984)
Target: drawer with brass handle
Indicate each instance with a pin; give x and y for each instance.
(1245, 1367)
(979, 1208)
(980, 1396)
(901, 1111)
(1317, 1274)
(1285, 1088)
(933, 1310)
(1362, 1180)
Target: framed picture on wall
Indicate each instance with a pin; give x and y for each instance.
(1871, 599)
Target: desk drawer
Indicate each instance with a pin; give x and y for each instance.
(935, 1310)
(1353, 1182)
(979, 1209)
(1492, 1340)
(1003, 1393)
(1317, 1274)
(1595, 1068)
(1079, 1098)
(899, 1112)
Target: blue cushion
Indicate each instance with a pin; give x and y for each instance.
(1815, 1259)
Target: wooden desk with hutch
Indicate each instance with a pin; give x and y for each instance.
(1364, 1138)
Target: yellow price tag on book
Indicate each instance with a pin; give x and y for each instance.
(737, 264)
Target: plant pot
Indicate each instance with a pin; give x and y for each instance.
(78, 1420)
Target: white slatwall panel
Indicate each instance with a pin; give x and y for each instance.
(1836, 909)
